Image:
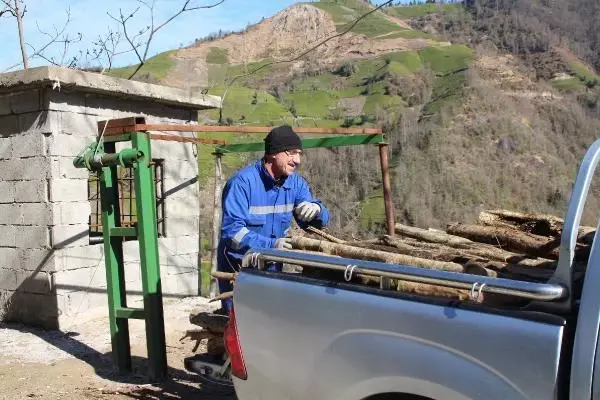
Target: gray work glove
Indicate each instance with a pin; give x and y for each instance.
(307, 211)
(283, 243)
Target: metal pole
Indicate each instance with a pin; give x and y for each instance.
(387, 188)
(216, 225)
(145, 200)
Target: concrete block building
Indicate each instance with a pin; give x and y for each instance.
(51, 258)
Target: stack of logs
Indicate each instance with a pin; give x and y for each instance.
(502, 243)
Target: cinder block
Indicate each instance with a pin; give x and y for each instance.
(182, 285)
(62, 168)
(32, 237)
(8, 279)
(9, 258)
(80, 257)
(71, 213)
(187, 244)
(173, 151)
(4, 105)
(7, 236)
(28, 145)
(185, 264)
(181, 225)
(78, 124)
(34, 282)
(37, 259)
(7, 192)
(82, 279)
(60, 144)
(63, 100)
(131, 251)
(10, 214)
(176, 189)
(35, 191)
(41, 122)
(70, 236)
(24, 169)
(69, 190)
(25, 101)
(9, 125)
(133, 274)
(5, 147)
(181, 170)
(31, 309)
(36, 214)
(74, 304)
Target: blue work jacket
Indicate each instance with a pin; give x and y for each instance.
(257, 211)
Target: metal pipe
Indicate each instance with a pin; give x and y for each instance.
(527, 290)
(387, 188)
(216, 224)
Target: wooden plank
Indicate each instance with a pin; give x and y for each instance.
(113, 129)
(121, 122)
(182, 139)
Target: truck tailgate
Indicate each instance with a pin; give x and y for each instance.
(305, 340)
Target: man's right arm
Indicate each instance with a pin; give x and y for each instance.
(235, 232)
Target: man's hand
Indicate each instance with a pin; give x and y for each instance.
(283, 243)
(307, 211)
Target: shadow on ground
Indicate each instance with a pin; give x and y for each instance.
(180, 384)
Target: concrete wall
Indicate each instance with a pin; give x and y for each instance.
(48, 270)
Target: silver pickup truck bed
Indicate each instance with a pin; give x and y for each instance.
(303, 338)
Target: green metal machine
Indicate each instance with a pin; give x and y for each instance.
(102, 158)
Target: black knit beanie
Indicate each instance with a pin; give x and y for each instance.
(282, 138)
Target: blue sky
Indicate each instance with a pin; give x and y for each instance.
(90, 18)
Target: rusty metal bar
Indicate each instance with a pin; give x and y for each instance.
(181, 139)
(387, 187)
(120, 129)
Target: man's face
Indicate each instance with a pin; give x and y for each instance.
(286, 162)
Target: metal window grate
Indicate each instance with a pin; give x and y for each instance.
(127, 200)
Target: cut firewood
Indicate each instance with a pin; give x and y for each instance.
(325, 235)
(430, 236)
(425, 289)
(508, 239)
(198, 335)
(538, 224)
(230, 276)
(222, 296)
(472, 251)
(345, 250)
(212, 322)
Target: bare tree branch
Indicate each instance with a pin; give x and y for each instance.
(152, 29)
(322, 42)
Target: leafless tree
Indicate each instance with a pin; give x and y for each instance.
(17, 9)
(140, 41)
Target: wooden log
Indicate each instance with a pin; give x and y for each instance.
(325, 235)
(222, 296)
(230, 276)
(425, 289)
(538, 224)
(508, 239)
(198, 335)
(430, 236)
(212, 322)
(473, 251)
(345, 250)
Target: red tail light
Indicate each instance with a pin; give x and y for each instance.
(232, 345)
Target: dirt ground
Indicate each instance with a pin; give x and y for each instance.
(75, 362)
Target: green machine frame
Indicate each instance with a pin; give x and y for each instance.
(102, 158)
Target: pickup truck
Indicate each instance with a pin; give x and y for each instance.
(295, 337)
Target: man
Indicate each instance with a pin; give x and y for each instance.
(259, 202)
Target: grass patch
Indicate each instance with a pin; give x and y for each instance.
(156, 67)
(448, 59)
(583, 72)
(217, 55)
(371, 26)
(447, 89)
(372, 212)
(567, 85)
(410, 34)
(312, 103)
(419, 10)
(339, 13)
(248, 106)
(382, 101)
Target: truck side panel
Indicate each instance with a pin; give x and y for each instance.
(308, 341)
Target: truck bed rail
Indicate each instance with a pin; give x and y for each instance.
(259, 258)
